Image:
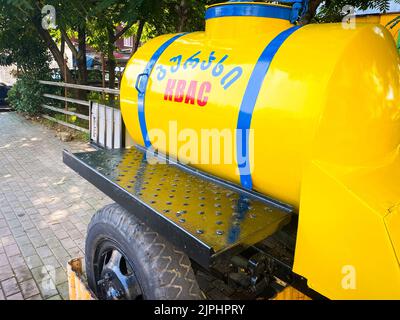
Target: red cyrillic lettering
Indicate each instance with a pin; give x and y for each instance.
(169, 91)
(180, 91)
(204, 89)
(191, 93)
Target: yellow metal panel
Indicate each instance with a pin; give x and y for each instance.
(393, 224)
(343, 247)
(290, 293)
(353, 181)
(326, 133)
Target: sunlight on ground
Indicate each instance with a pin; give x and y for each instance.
(59, 214)
(62, 180)
(73, 189)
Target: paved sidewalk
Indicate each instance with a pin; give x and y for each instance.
(44, 210)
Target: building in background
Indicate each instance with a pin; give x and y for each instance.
(387, 19)
(8, 75)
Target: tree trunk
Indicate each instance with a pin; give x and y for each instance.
(138, 36)
(81, 62)
(111, 63)
(81, 57)
(57, 55)
(312, 10)
(183, 11)
(50, 43)
(62, 50)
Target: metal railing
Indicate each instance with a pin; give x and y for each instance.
(67, 100)
(80, 87)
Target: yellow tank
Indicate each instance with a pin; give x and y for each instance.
(314, 117)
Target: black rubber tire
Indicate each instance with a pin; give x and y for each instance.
(163, 272)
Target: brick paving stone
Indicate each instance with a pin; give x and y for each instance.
(10, 287)
(27, 250)
(6, 272)
(64, 290)
(68, 243)
(44, 252)
(14, 223)
(21, 240)
(22, 273)
(8, 240)
(32, 233)
(48, 288)
(37, 297)
(38, 241)
(53, 243)
(3, 260)
(17, 261)
(47, 233)
(18, 231)
(62, 234)
(17, 296)
(59, 276)
(39, 273)
(44, 209)
(3, 223)
(29, 288)
(5, 232)
(51, 262)
(60, 252)
(34, 261)
(12, 250)
(64, 261)
(75, 252)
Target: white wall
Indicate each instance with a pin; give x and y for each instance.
(67, 54)
(6, 76)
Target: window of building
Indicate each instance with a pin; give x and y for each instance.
(128, 42)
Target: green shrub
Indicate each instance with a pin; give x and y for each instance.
(26, 95)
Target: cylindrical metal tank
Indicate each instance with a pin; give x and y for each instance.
(326, 92)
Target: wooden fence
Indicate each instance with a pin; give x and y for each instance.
(67, 100)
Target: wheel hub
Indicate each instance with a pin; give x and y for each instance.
(117, 279)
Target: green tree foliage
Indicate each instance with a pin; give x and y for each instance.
(26, 95)
(180, 16)
(100, 23)
(332, 10)
(20, 45)
(112, 19)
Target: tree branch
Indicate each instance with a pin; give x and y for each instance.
(312, 9)
(69, 42)
(120, 33)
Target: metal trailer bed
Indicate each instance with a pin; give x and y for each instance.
(211, 220)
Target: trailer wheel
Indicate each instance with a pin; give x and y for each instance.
(125, 260)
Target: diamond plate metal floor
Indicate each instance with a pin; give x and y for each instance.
(211, 215)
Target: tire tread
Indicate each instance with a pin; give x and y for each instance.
(171, 268)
